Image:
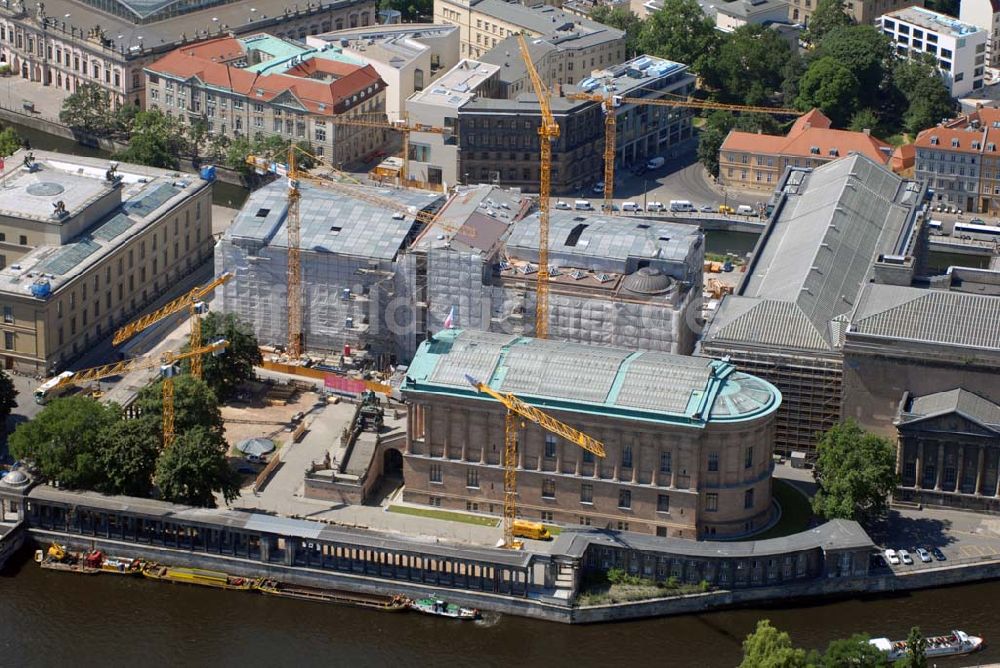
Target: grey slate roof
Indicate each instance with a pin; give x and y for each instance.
(815, 256)
(934, 316)
(958, 400)
(330, 221)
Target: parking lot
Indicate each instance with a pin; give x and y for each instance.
(962, 537)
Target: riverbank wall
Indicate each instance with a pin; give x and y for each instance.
(36, 122)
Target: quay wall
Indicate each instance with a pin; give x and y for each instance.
(552, 610)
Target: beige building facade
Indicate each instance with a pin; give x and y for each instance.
(99, 248)
(688, 450)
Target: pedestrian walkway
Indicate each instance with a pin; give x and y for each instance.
(47, 100)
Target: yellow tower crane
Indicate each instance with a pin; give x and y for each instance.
(518, 408)
(193, 302)
(610, 102)
(168, 369)
(548, 132)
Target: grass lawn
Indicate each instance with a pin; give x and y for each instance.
(445, 515)
(796, 513)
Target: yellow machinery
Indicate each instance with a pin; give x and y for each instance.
(168, 369)
(611, 102)
(192, 301)
(517, 408)
(548, 132)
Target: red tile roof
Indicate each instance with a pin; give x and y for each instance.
(811, 130)
(982, 126)
(205, 62)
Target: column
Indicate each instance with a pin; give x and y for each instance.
(674, 461)
(465, 441)
(636, 457)
(980, 467)
(996, 486)
(616, 474)
(920, 465)
(940, 467)
(961, 468)
(899, 460)
(408, 444)
(560, 447)
(428, 417)
(655, 480)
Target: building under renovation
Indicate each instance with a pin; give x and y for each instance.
(375, 280)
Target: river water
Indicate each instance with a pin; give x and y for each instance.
(62, 619)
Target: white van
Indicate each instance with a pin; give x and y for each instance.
(655, 206)
(582, 205)
(655, 163)
(631, 206)
(681, 205)
(745, 210)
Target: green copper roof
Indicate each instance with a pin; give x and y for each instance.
(649, 386)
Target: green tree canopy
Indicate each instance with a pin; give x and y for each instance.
(10, 141)
(865, 119)
(855, 471)
(8, 398)
(925, 95)
(195, 405)
(853, 651)
(88, 109)
(622, 18)
(916, 650)
(225, 372)
(866, 52)
(194, 467)
(127, 457)
(829, 14)
(767, 647)
(413, 11)
(831, 87)
(681, 32)
(749, 66)
(156, 140)
(64, 440)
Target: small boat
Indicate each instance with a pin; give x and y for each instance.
(198, 576)
(435, 606)
(394, 603)
(122, 566)
(954, 644)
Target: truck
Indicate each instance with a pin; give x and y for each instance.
(534, 530)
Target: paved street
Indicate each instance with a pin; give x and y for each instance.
(48, 100)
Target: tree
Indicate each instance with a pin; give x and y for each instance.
(64, 440)
(413, 11)
(855, 471)
(767, 647)
(10, 141)
(866, 52)
(916, 650)
(829, 14)
(919, 87)
(831, 87)
(224, 373)
(127, 457)
(853, 651)
(681, 32)
(195, 405)
(8, 398)
(622, 18)
(194, 467)
(749, 65)
(88, 109)
(864, 119)
(156, 140)
(123, 119)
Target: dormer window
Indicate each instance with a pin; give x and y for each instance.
(934, 141)
(955, 143)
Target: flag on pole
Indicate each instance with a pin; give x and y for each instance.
(449, 322)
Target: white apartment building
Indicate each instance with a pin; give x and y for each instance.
(408, 57)
(986, 15)
(960, 48)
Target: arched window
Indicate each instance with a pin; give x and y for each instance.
(339, 24)
(364, 18)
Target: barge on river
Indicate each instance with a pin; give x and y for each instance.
(435, 606)
(395, 603)
(198, 576)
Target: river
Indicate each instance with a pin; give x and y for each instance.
(73, 620)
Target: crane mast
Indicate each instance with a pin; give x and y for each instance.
(295, 342)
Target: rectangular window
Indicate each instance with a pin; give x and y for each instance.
(748, 499)
(748, 460)
(8, 314)
(627, 456)
(711, 502)
(586, 493)
(713, 461)
(472, 477)
(548, 488)
(588, 457)
(435, 473)
(550, 446)
(8, 340)
(23, 240)
(663, 503)
(666, 463)
(624, 498)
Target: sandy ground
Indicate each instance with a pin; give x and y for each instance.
(243, 421)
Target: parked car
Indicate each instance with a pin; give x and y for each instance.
(655, 206)
(905, 557)
(938, 554)
(609, 207)
(682, 206)
(582, 205)
(563, 205)
(631, 206)
(726, 210)
(924, 555)
(892, 557)
(707, 208)
(655, 163)
(745, 210)
(598, 188)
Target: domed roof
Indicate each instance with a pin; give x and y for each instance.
(16, 479)
(647, 281)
